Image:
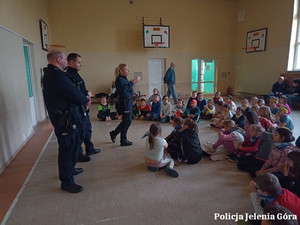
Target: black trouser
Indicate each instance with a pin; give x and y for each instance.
(87, 136)
(102, 115)
(126, 119)
(250, 164)
(68, 150)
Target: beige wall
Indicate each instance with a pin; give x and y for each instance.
(22, 16)
(19, 21)
(107, 33)
(255, 72)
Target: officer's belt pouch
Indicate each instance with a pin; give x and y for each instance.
(65, 121)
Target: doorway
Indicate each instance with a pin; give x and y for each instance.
(203, 75)
(156, 69)
(27, 57)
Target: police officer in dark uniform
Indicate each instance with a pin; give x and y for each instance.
(125, 93)
(74, 65)
(65, 105)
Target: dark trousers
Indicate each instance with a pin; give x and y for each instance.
(68, 150)
(124, 125)
(250, 164)
(86, 136)
(102, 115)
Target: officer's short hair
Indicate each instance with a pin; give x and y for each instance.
(54, 54)
(73, 57)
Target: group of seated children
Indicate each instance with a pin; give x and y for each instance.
(160, 109)
(261, 145)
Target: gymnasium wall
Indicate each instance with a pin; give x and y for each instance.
(256, 72)
(19, 20)
(107, 33)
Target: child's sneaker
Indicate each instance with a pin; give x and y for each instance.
(209, 146)
(153, 169)
(220, 157)
(171, 172)
(233, 158)
(213, 125)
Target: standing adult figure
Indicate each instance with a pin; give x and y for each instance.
(74, 65)
(125, 93)
(66, 106)
(169, 79)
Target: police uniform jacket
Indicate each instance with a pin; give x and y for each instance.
(125, 91)
(61, 96)
(76, 79)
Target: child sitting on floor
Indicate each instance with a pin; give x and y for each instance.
(193, 97)
(248, 147)
(187, 148)
(266, 190)
(104, 113)
(251, 118)
(283, 102)
(261, 102)
(135, 108)
(239, 117)
(154, 114)
(245, 105)
(254, 104)
(283, 119)
(291, 173)
(151, 98)
(176, 123)
(217, 98)
(229, 137)
(201, 102)
(225, 115)
(193, 112)
(228, 100)
(253, 163)
(266, 118)
(154, 155)
(166, 109)
(179, 108)
(273, 105)
(144, 108)
(282, 139)
(208, 111)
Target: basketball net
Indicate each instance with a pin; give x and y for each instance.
(157, 44)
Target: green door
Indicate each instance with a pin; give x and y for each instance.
(203, 76)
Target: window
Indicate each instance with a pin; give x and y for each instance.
(294, 53)
(203, 75)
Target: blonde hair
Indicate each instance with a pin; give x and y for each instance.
(229, 123)
(119, 68)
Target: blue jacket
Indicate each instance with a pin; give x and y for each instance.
(170, 76)
(125, 92)
(62, 96)
(155, 108)
(124, 87)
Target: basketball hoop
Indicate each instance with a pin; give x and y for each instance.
(55, 46)
(250, 48)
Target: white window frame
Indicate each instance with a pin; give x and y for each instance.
(294, 52)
